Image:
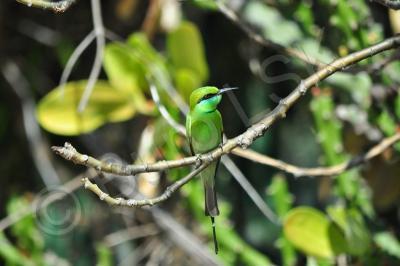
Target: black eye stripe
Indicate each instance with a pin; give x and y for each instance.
(207, 96)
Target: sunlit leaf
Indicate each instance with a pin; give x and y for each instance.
(391, 73)
(206, 4)
(153, 63)
(282, 200)
(119, 62)
(357, 85)
(386, 123)
(354, 228)
(186, 80)
(126, 71)
(273, 25)
(58, 113)
(310, 231)
(12, 254)
(280, 193)
(313, 49)
(388, 243)
(104, 255)
(186, 51)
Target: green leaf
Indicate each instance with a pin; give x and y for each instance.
(11, 254)
(352, 224)
(386, 123)
(104, 255)
(388, 243)
(186, 81)
(287, 251)
(280, 195)
(25, 230)
(153, 63)
(274, 26)
(329, 129)
(304, 14)
(391, 73)
(126, 71)
(143, 50)
(313, 49)
(397, 106)
(206, 4)
(58, 113)
(358, 86)
(282, 200)
(310, 231)
(186, 51)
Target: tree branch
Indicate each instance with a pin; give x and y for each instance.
(393, 4)
(143, 202)
(69, 153)
(243, 140)
(318, 171)
(58, 7)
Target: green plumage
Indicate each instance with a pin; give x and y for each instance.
(204, 131)
(205, 135)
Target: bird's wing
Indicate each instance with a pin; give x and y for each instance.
(189, 132)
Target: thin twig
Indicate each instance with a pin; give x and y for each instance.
(319, 171)
(69, 153)
(150, 22)
(37, 143)
(131, 233)
(42, 34)
(184, 238)
(143, 202)
(100, 42)
(58, 7)
(253, 194)
(74, 58)
(393, 4)
(164, 112)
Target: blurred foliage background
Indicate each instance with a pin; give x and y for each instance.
(349, 219)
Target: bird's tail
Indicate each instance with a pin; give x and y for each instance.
(214, 235)
(210, 197)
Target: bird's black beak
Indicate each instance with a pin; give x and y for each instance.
(221, 91)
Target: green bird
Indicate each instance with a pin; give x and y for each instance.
(204, 131)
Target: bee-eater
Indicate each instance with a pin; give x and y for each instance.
(204, 131)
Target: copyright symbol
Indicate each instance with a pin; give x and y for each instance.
(57, 211)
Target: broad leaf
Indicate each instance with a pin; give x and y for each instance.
(353, 226)
(186, 51)
(388, 243)
(310, 231)
(126, 71)
(58, 114)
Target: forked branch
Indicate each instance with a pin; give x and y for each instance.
(243, 140)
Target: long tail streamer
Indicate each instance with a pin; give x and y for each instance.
(214, 235)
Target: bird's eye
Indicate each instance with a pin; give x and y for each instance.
(207, 96)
